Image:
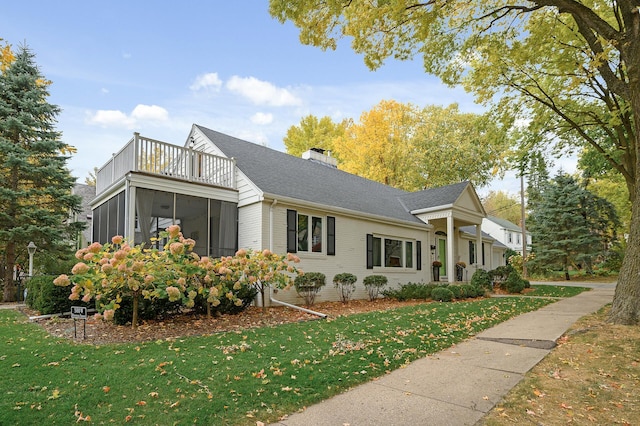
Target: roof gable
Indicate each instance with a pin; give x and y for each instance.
(458, 195)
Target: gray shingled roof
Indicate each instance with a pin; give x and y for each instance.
(471, 231)
(277, 173)
(433, 197)
(504, 223)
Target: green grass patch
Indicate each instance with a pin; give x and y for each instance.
(555, 290)
(233, 378)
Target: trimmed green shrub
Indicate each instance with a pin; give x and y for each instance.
(308, 285)
(468, 290)
(457, 292)
(442, 294)
(514, 284)
(481, 278)
(410, 291)
(345, 283)
(47, 298)
(501, 274)
(374, 285)
(479, 291)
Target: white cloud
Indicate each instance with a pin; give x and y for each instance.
(104, 91)
(110, 118)
(209, 81)
(149, 113)
(126, 55)
(115, 118)
(262, 92)
(262, 118)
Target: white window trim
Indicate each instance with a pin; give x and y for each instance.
(402, 268)
(324, 242)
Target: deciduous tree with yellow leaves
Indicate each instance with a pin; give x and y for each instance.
(569, 70)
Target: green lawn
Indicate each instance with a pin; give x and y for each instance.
(229, 378)
(555, 290)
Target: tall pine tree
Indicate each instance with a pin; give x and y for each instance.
(570, 225)
(35, 185)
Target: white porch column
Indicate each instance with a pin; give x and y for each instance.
(478, 252)
(451, 261)
(130, 214)
(490, 264)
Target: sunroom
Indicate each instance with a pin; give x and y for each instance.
(149, 185)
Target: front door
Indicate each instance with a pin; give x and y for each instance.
(442, 255)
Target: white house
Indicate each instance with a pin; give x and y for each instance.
(508, 233)
(228, 193)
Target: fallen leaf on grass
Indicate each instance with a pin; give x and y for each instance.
(539, 394)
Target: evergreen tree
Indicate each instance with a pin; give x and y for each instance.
(35, 185)
(569, 225)
(538, 175)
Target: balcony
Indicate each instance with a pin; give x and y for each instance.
(150, 156)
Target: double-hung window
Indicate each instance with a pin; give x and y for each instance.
(388, 252)
(307, 233)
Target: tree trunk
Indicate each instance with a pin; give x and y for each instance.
(134, 319)
(626, 301)
(9, 291)
(264, 302)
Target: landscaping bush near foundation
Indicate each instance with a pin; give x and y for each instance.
(481, 278)
(345, 283)
(410, 291)
(514, 284)
(308, 286)
(442, 294)
(374, 285)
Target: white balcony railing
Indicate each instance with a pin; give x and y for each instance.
(141, 154)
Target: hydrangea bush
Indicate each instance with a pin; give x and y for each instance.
(109, 272)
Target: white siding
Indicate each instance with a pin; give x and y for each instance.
(250, 226)
(351, 253)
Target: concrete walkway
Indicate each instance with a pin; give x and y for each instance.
(458, 386)
(12, 305)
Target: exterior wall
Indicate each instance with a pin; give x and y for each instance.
(498, 258)
(351, 233)
(251, 227)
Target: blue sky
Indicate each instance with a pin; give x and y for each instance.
(119, 67)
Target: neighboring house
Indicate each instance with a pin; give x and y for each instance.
(227, 193)
(87, 193)
(490, 255)
(508, 233)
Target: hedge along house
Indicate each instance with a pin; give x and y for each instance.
(227, 193)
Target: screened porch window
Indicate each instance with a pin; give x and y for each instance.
(212, 224)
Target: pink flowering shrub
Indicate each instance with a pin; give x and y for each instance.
(116, 271)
